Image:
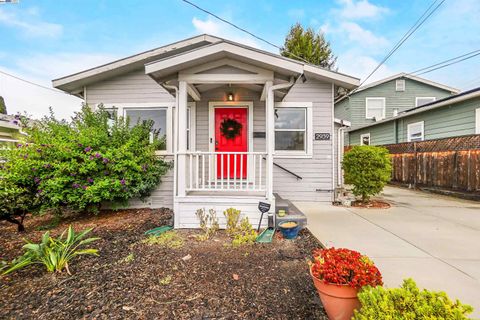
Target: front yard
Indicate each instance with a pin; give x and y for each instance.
(131, 279)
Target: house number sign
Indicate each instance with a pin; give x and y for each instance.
(322, 136)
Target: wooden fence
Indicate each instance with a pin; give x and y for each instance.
(450, 163)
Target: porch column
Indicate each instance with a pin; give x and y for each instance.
(270, 137)
(182, 137)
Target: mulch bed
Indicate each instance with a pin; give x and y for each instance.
(373, 204)
(273, 280)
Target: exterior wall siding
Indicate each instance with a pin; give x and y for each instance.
(317, 172)
(447, 121)
(402, 100)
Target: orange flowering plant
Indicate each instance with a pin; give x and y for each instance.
(344, 267)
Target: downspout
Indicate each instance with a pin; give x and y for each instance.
(175, 137)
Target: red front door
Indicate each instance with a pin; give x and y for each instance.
(233, 165)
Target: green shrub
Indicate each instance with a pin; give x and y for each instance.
(170, 239)
(245, 234)
(17, 201)
(81, 163)
(54, 254)
(408, 303)
(368, 169)
(233, 217)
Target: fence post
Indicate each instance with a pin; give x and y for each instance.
(415, 162)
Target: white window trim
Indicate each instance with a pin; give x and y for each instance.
(477, 121)
(413, 124)
(363, 136)
(308, 153)
(396, 85)
(417, 98)
(374, 98)
(170, 106)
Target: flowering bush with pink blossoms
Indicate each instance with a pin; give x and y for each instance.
(84, 162)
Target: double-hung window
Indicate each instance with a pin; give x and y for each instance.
(162, 115)
(293, 129)
(375, 108)
(157, 115)
(420, 101)
(415, 131)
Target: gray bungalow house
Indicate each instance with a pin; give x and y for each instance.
(242, 125)
(388, 97)
(453, 116)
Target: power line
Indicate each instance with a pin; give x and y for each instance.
(443, 65)
(32, 83)
(445, 61)
(243, 30)
(407, 35)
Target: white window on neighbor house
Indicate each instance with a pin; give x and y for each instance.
(400, 85)
(293, 129)
(375, 108)
(365, 139)
(477, 121)
(420, 101)
(415, 131)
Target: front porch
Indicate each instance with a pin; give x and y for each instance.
(211, 169)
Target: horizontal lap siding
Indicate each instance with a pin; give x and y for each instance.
(402, 100)
(316, 172)
(136, 87)
(380, 134)
(448, 121)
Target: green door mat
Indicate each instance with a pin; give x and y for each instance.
(266, 236)
(158, 231)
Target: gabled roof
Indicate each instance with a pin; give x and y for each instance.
(194, 50)
(403, 75)
(463, 96)
(77, 80)
(243, 53)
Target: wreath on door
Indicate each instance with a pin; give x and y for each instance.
(230, 128)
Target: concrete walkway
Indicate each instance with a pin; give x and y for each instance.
(431, 238)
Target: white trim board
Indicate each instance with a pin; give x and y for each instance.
(308, 131)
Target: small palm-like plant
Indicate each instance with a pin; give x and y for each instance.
(54, 254)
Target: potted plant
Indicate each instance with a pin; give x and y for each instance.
(338, 274)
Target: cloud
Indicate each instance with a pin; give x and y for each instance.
(356, 33)
(353, 9)
(20, 96)
(222, 30)
(31, 24)
(358, 65)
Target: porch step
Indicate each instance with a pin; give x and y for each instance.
(292, 212)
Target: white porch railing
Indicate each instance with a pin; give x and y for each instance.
(225, 171)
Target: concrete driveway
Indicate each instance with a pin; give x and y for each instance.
(433, 239)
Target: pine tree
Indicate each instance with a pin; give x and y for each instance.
(309, 46)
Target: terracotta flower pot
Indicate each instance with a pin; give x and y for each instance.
(339, 301)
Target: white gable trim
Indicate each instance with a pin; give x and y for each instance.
(221, 50)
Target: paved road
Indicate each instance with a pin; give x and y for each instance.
(433, 239)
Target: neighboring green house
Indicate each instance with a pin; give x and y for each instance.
(388, 97)
(452, 116)
(9, 131)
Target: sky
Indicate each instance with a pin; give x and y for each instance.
(42, 40)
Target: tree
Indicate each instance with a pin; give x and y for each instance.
(368, 169)
(3, 107)
(309, 46)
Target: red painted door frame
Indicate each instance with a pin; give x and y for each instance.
(236, 144)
